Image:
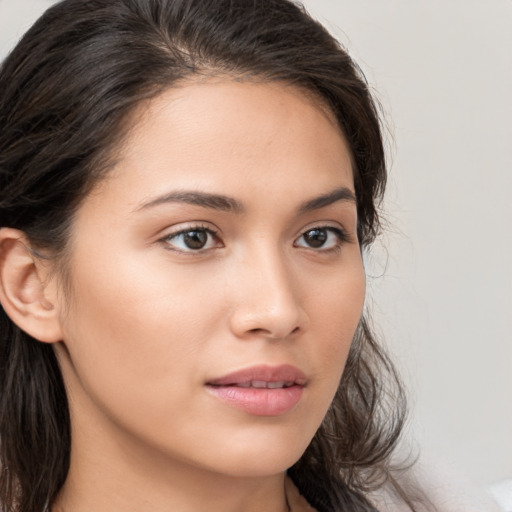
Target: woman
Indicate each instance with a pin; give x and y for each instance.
(187, 190)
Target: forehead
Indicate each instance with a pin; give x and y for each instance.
(233, 137)
(242, 101)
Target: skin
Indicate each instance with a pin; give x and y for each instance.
(149, 321)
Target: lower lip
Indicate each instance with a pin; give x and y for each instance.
(259, 401)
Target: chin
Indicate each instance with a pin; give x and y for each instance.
(262, 466)
(263, 458)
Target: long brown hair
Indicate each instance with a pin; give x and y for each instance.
(66, 92)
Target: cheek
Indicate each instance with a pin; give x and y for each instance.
(133, 326)
(136, 347)
(337, 305)
(335, 312)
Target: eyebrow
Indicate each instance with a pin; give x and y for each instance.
(229, 204)
(339, 194)
(203, 199)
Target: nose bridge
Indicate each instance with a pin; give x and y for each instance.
(269, 301)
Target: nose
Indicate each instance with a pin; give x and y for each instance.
(268, 302)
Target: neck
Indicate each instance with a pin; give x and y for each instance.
(84, 495)
(121, 477)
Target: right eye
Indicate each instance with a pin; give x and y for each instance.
(192, 239)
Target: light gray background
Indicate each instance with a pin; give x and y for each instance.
(443, 73)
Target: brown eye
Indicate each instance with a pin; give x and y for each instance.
(192, 240)
(322, 238)
(315, 237)
(195, 239)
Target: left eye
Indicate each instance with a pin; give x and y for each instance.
(194, 239)
(321, 238)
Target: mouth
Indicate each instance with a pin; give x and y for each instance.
(261, 384)
(263, 376)
(260, 390)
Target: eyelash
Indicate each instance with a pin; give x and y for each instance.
(341, 235)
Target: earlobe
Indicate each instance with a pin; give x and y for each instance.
(23, 291)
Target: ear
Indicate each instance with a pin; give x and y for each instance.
(24, 294)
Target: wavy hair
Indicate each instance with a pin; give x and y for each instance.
(66, 94)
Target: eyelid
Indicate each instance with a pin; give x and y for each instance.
(334, 225)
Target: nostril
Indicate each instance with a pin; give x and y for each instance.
(258, 331)
(273, 335)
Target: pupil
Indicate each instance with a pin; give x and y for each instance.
(195, 239)
(316, 237)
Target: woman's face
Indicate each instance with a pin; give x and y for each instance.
(216, 282)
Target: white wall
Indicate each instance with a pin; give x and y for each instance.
(443, 71)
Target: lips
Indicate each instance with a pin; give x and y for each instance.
(260, 390)
(262, 384)
(263, 374)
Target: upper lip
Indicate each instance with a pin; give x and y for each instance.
(262, 373)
